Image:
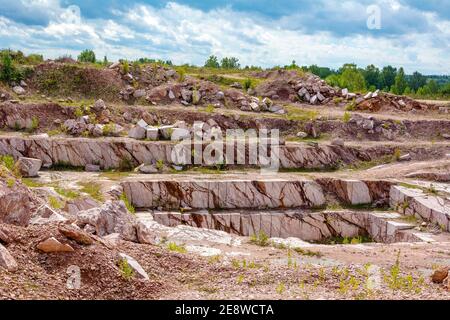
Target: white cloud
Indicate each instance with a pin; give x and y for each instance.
(184, 34)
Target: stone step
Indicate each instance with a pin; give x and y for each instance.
(417, 202)
(306, 225)
(224, 194)
(252, 191)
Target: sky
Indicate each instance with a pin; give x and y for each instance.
(414, 34)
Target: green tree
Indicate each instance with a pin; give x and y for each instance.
(212, 62)
(416, 81)
(87, 56)
(105, 60)
(230, 63)
(372, 76)
(322, 72)
(7, 70)
(388, 77)
(400, 83)
(352, 78)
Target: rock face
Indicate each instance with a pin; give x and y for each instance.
(53, 245)
(7, 261)
(111, 217)
(29, 167)
(356, 192)
(308, 226)
(216, 194)
(415, 202)
(110, 153)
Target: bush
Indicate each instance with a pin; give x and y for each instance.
(7, 71)
(87, 56)
(248, 84)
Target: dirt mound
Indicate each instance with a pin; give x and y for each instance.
(76, 81)
(390, 102)
(45, 275)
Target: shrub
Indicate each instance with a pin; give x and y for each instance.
(248, 84)
(34, 124)
(125, 269)
(346, 118)
(260, 239)
(87, 56)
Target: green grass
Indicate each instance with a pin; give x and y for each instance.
(31, 183)
(260, 239)
(299, 114)
(125, 269)
(55, 203)
(93, 189)
(67, 193)
(129, 206)
(172, 246)
(8, 162)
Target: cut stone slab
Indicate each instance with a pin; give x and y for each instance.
(180, 134)
(152, 133)
(137, 132)
(7, 261)
(137, 268)
(53, 245)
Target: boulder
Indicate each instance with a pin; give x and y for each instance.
(53, 245)
(344, 92)
(440, 274)
(186, 95)
(91, 168)
(19, 90)
(405, 157)
(28, 167)
(301, 134)
(111, 217)
(139, 93)
(73, 206)
(137, 132)
(196, 96)
(171, 95)
(7, 261)
(74, 127)
(337, 142)
(146, 168)
(99, 105)
(313, 99)
(180, 134)
(139, 272)
(75, 233)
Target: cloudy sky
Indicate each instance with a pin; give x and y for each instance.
(411, 33)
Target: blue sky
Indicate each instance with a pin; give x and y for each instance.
(414, 34)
